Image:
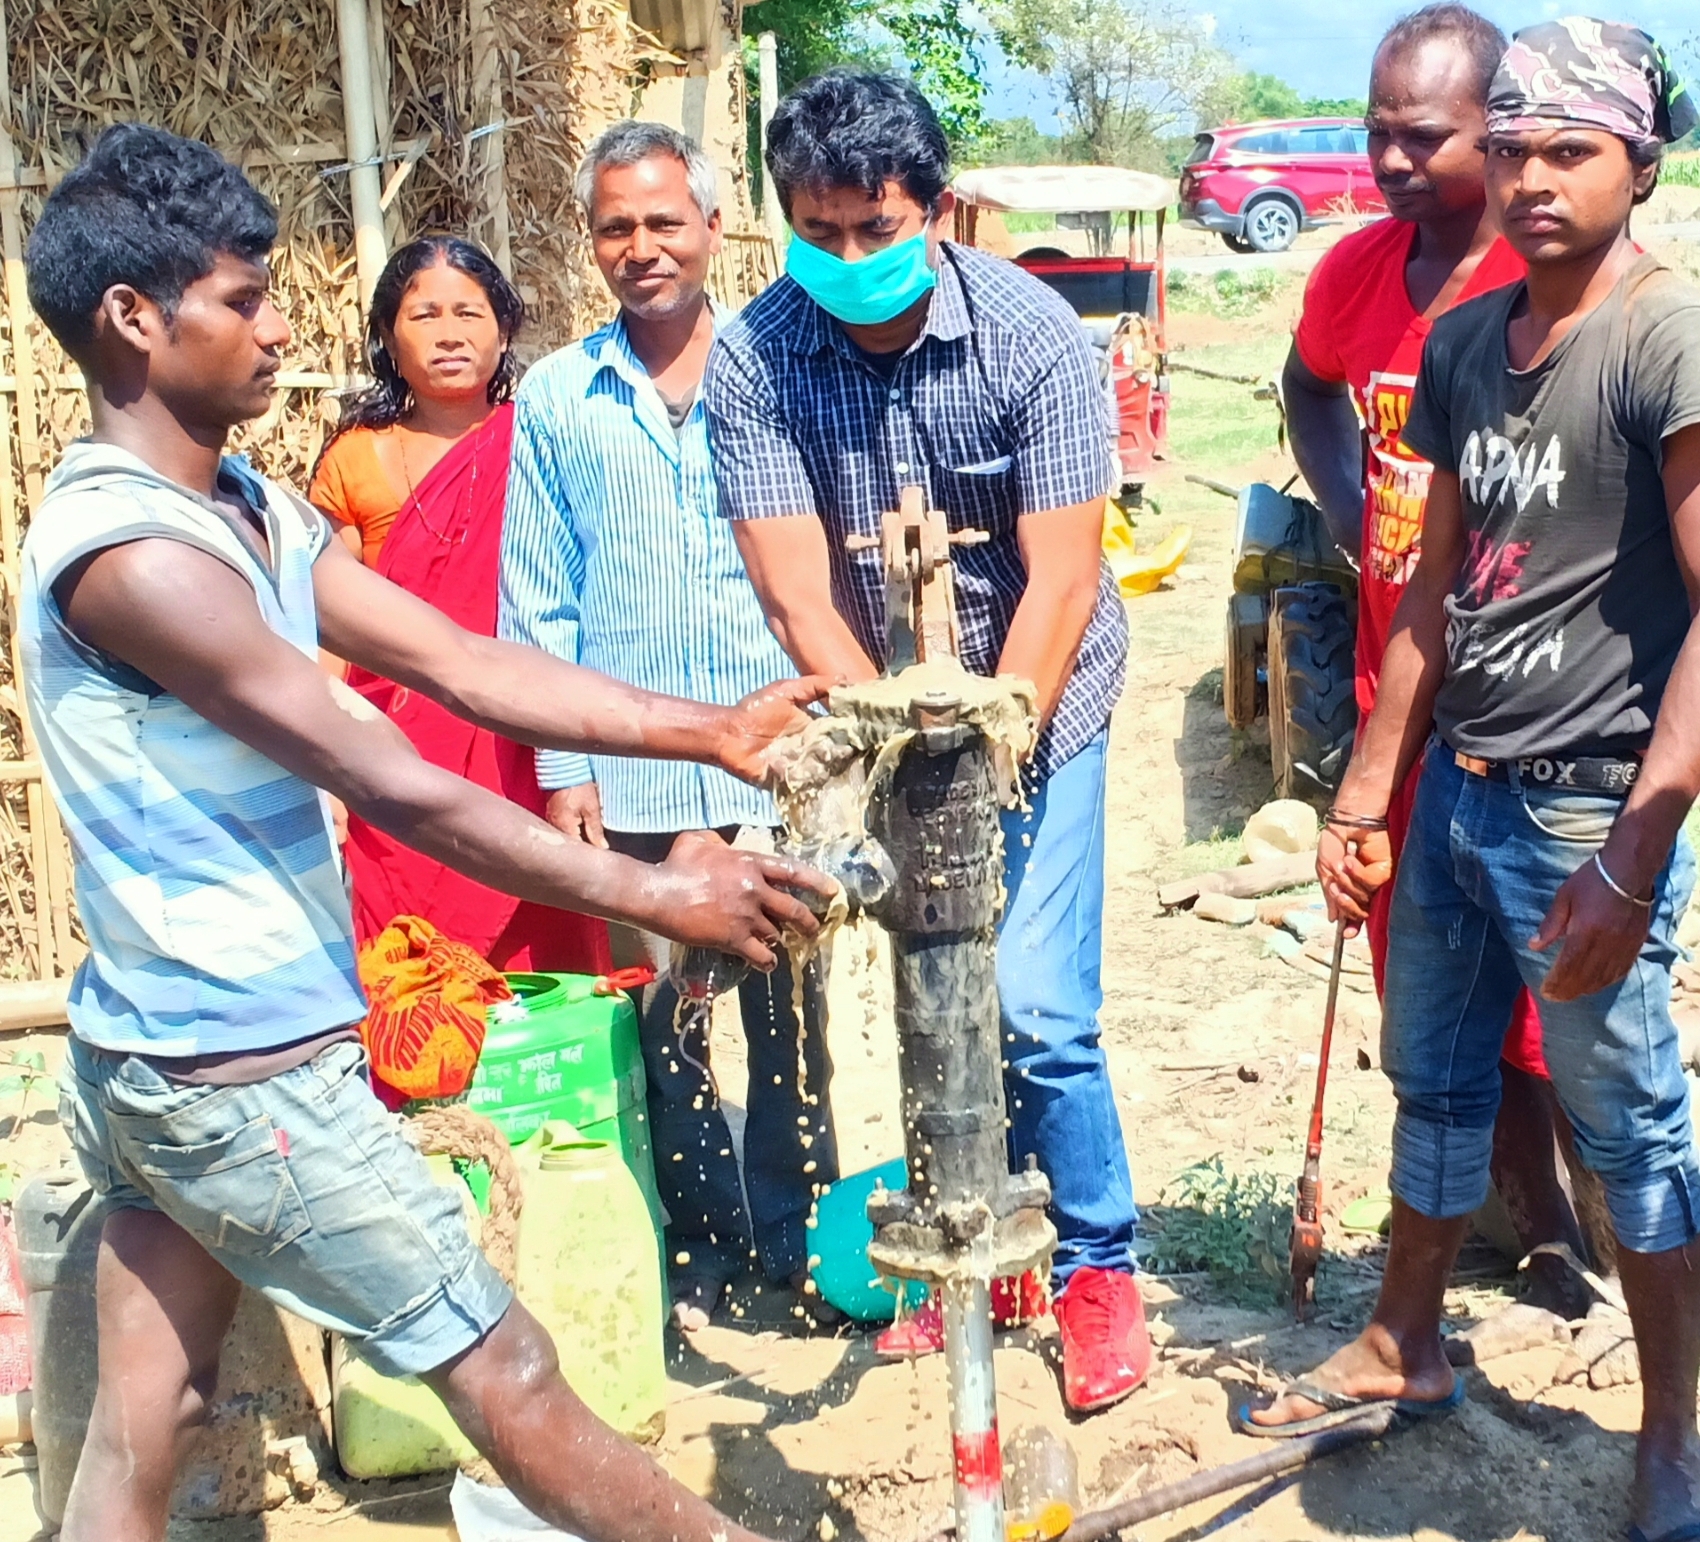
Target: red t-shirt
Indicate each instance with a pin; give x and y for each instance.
(1359, 327)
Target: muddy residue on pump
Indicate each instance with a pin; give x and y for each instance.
(825, 774)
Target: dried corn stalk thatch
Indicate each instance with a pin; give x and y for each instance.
(484, 108)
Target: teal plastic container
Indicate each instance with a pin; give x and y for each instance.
(561, 1051)
(839, 1238)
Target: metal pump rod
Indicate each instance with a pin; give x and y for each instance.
(965, 1219)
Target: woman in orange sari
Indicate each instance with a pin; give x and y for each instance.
(416, 474)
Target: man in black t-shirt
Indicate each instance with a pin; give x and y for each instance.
(1546, 622)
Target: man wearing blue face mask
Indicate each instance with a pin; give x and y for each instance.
(890, 357)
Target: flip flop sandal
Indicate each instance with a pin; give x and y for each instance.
(1686, 1533)
(1343, 1408)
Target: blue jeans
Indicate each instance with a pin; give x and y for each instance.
(1480, 868)
(789, 1147)
(303, 1187)
(1050, 952)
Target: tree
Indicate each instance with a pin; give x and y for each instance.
(1127, 70)
(1246, 98)
(932, 40)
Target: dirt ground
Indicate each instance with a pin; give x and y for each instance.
(805, 1436)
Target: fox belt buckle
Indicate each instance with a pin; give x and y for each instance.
(1472, 764)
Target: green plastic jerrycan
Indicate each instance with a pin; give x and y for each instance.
(393, 1426)
(566, 1047)
(590, 1271)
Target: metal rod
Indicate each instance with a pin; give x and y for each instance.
(1284, 1456)
(973, 1410)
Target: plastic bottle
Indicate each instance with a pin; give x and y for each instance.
(1041, 1485)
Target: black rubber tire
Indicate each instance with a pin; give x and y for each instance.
(1313, 709)
(1237, 244)
(1272, 223)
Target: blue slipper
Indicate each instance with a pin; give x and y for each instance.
(1343, 1408)
(1688, 1533)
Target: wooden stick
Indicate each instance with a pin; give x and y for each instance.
(1250, 880)
(1285, 1456)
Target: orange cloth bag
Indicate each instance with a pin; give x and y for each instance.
(427, 997)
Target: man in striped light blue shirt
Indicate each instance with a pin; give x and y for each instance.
(615, 557)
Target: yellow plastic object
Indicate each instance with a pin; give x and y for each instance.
(388, 1426)
(590, 1271)
(1139, 573)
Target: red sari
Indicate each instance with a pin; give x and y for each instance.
(445, 547)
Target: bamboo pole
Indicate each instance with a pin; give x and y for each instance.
(43, 820)
(767, 47)
(490, 163)
(354, 44)
(30, 1004)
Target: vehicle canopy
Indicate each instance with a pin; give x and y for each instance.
(1098, 285)
(1065, 190)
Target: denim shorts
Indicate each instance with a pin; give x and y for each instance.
(1479, 870)
(303, 1187)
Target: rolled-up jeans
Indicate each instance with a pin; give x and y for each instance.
(1481, 866)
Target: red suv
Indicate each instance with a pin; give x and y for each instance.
(1259, 184)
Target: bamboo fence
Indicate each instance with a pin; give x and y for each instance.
(366, 122)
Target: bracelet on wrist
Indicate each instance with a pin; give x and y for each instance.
(1618, 889)
(1345, 821)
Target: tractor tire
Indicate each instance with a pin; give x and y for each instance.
(1243, 695)
(1313, 709)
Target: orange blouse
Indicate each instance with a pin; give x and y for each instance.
(352, 486)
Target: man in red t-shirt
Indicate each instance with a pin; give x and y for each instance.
(1368, 310)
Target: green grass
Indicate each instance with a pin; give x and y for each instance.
(1229, 292)
(1681, 170)
(1216, 425)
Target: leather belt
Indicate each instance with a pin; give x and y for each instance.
(1610, 774)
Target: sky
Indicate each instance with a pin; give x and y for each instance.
(1323, 47)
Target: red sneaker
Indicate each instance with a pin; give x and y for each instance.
(920, 1333)
(1014, 1302)
(1106, 1350)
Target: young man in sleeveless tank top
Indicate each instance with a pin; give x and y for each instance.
(214, 1089)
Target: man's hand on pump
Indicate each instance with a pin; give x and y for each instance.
(708, 894)
(761, 719)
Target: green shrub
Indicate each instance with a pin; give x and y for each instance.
(1228, 292)
(1234, 1226)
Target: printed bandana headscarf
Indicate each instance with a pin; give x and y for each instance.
(1596, 74)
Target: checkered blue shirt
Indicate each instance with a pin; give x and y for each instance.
(996, 409)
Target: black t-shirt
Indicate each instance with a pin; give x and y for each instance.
(1570, 608)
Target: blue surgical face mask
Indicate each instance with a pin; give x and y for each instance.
(882, 285)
